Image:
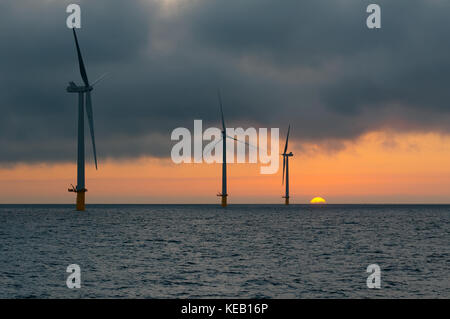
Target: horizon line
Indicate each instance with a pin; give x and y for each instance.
(215, 204)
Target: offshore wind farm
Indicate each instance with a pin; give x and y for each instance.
(174, 212)
(85, 100)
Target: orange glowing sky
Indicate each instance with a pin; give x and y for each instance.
(377, 168)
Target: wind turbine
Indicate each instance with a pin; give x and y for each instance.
(224, 194)
(224, 155)
(83, 90)
(286, 167)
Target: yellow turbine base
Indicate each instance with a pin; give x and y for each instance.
(81, 201)
(286, 201)
(224, 201)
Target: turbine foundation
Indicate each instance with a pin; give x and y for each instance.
(81, 194)
(81, 201)
(224, 200)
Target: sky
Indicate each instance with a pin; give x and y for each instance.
(368, 108)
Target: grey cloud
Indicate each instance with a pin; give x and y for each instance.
(311, 63)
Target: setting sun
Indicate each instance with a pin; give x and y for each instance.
(318, 200)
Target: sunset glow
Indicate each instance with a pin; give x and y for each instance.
(377, 168)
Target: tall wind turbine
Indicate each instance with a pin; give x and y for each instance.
(224, 154)
(286, 167)
(83, 90)
(224, 194)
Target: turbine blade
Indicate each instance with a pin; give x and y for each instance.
(221, 109)
(99, 79)
(233, 138)
(250, 145)
(220, 140)
(80, 60)
(287, 139)
(91, 123)
(284, 166)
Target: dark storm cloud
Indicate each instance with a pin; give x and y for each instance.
(311, 63)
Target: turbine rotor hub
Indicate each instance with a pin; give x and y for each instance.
(73, 88)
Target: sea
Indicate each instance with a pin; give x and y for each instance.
(242, 251)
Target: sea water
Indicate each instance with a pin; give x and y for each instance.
(243, 251)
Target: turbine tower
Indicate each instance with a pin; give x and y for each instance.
(84, 90)
(224, 155)
(224, 194)
(286, 167)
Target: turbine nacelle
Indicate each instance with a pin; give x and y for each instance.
(73, 88)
